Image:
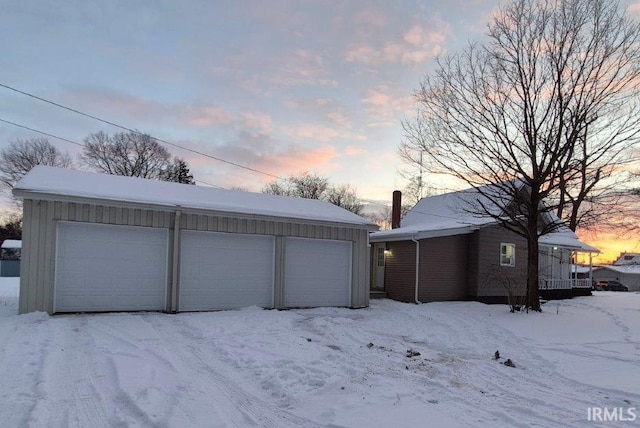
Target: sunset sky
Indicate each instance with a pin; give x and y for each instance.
(278, 86)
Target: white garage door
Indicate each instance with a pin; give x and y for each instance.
(225, 271)
(317, 273)
(110, 268)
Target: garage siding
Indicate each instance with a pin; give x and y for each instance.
(41, 217)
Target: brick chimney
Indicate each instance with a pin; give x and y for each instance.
(395, 209)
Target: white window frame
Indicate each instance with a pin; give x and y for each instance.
(505, 259)
(380, 257)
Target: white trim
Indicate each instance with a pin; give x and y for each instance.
(512, 262)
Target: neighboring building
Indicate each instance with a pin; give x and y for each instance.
(625, 270)
(628, 275)
(96, 242)
(581, 271)
(442, 252)
(10, 258)
(628, 259)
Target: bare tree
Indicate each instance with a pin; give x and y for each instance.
(304, 185)
(313, 186)
(178, 172)
(344, 196)
(126, 153)
(543, 111)
(22, 155)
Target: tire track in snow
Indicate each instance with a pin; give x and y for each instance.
(123, 349)
(21, 367)
(238, 406)
(78, 377)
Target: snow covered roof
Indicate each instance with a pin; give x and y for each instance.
(566, 238)
(439, 215)
(579, 268)
(628, 259)
(12, 243)
(629, 269)
(46, 180)
(449, 214)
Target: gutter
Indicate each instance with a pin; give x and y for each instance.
(415, 297)
(175, 262)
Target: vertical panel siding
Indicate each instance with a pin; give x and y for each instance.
(443, 268)
(400, 271)
(25, 263)
(39, 241)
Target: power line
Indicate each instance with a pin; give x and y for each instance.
(138, 132)
(77, 144)
(40, 132)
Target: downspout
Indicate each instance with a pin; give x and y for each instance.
(175, 263)
(415, 297)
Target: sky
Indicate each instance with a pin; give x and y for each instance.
(281, 86)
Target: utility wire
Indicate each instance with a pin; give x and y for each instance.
(40, 132)
(78, 144)
(138, 132)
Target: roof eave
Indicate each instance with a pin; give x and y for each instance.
(29, 194)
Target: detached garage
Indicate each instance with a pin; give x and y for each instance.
(96, 242)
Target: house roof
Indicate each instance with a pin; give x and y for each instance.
(627, 269)
(566, 238)
(46, 181)
(449, 214)
(628, 259)
(12, 243)
(579, 268)
(439, 215)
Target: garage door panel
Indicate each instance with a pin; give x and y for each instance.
(225, 271)
(110, 268)
(317, 272)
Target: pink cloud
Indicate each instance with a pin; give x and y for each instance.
(300, 67)
(283, 161)
(386, 105)
(256, 121)
(415, 45)
(108, 100)
(355, 151)
(371, 18)
(204, 116)
(634, 9)
(311, 131)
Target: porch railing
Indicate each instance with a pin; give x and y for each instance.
(563, 284)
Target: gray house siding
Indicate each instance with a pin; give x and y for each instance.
(443, 268)
(456, 267)
(39, 242)
(489, 278)
(400, 271)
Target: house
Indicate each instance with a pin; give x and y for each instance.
(625, 270)
(626, 259)
(95, 242)
(10, 258)
(442, 252)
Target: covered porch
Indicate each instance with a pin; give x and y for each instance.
(560, 277)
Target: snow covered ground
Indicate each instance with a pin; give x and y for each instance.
(322, 367)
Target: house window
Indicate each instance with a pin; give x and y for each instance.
(380, 256)
(507, 254)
